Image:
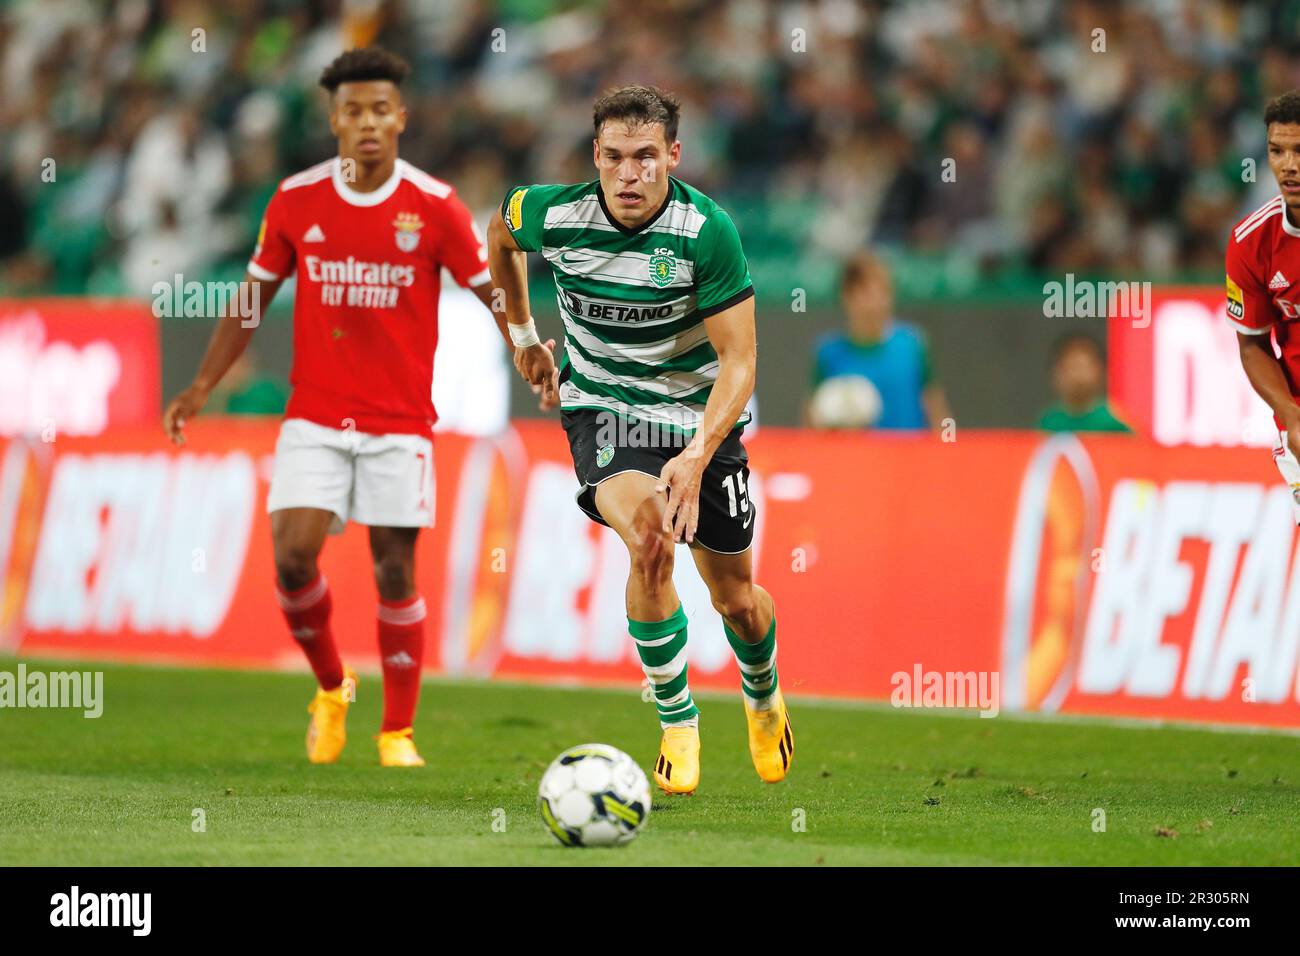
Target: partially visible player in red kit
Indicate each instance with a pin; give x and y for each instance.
(1263, 266)
(367, 235)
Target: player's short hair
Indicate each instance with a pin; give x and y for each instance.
(364, 64)
(1283, 109)
(1077, 340)
(862, 268)
(638, 105)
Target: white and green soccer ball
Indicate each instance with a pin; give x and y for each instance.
(594, 795)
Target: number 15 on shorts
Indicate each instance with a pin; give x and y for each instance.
(738, 496)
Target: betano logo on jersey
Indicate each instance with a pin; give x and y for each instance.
(408, 226)
(608, 310)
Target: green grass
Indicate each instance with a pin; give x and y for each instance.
(875, 786)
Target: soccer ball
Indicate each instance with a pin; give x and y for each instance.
(846, 401)
(594, 795)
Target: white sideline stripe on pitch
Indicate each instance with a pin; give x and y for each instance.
(292, 662)
(1036, 717)
(839, 703)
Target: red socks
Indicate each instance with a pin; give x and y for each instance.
(401, 647)
(307, 610)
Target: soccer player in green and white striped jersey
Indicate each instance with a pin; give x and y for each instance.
(659, 363)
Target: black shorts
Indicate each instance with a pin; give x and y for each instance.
(604, 446)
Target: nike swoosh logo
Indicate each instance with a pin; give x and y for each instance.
(748, 519)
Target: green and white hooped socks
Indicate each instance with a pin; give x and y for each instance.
(662, 647)
(757, 667)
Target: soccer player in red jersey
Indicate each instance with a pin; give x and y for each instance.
(1263, 266)
(367, 235)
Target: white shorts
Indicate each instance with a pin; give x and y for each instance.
(1286, 462)
(380, 480)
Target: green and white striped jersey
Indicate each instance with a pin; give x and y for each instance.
(634, 300)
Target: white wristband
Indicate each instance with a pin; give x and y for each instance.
(523, 335)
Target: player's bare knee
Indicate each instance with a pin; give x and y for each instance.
(736, 604)
(651, 551)
(394, 579)
(295, 567)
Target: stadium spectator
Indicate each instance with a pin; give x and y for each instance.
(1079, 381)
(821, 146)
(886, 353)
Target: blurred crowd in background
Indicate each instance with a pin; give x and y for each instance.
(823, 126)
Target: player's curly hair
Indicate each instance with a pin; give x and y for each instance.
(363, 64)
(1283, 109)
(637, 105)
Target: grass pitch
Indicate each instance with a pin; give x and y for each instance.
(870, 785)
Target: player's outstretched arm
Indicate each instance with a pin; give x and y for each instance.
(534, 359)
(229, 339)
(1266, 377)
(491, 300)
(731, 333)
(487, 294)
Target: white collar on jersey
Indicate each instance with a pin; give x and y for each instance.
(372, 198)
(1289, 229)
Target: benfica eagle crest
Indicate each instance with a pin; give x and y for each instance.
(408, 226)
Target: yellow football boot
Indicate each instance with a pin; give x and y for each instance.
(677, 770)
(771, 742)
(327, 733)
(397, 749)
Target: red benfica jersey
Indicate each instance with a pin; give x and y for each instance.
(1263, 264)
(365, 313)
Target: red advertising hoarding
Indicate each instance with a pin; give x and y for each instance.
(1175, 374)
(1103, 575)
(77, 366)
